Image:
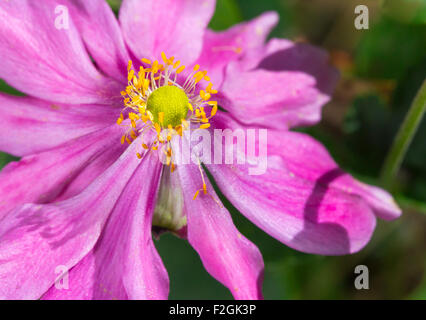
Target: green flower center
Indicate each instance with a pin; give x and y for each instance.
(171, 102)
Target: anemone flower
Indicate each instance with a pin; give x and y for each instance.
(107, 106)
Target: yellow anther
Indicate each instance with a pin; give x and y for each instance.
(155, 67)
(130, 75)
(209, 87)
(179, 130)
(120, 119)
(196, 194)
(164, 57)
(147, 95)
(161, 117)
(214, 110)
(204, 188)
(180, 69)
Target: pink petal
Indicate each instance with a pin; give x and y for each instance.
(173, 26)
(124, 263)
(29, 125)
(46, 62)
(36, 239)
(226, 254)
(101, 34)
(220, 48)
(279, 86)
(306, 215)
(42, 177)
(309, 160)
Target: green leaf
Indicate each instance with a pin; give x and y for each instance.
(406, 11)
(114, 4)
(227, 14)
(389, 49)
(4, 87)
(5, 159)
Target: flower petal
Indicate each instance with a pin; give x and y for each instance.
(173, 26)
(308, 159)
(44, 60)
(102, 35)
(280, 86)
(36, 239)
(220, 48)
(226, 254)
(124, 263)
(29, 125)
(306, 215)
(42, 177)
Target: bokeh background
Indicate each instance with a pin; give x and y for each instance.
(381, 70)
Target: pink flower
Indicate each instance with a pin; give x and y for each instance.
(80, 200)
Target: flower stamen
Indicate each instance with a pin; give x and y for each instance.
(154, 101)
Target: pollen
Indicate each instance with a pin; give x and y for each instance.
(156, 100)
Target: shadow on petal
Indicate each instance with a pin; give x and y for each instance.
(331, 231)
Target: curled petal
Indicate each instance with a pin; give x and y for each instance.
(282, 85)
(309, 160)
(307, 215)
(220, 48)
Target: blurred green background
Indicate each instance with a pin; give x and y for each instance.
(382, 68)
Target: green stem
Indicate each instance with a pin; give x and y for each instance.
(404, 137)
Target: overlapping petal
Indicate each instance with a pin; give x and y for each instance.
(174, 26)
(102, 35)
(43, 55)
(29, 125)
(41, 178)
(307, 215)
(124, 263)
(282, 85)
(37, 239)
(220, 48)
(308, 159)
(226, 254)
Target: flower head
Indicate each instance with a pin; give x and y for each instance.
(81, 201)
